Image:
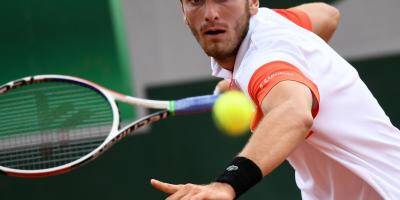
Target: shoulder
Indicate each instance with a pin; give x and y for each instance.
(284, 18)
(271, 27)
(276, 45)
(296, 16)
(272, 45)
(273, 39)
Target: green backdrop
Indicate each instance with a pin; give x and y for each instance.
(79, 38)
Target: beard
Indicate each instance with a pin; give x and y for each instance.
(230, 45)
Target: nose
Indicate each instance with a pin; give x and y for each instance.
(211, 12)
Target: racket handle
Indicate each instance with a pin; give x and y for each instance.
(193, 105)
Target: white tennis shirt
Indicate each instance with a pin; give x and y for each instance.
(354, 150)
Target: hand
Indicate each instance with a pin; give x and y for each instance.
(222, 87)
(213, 191)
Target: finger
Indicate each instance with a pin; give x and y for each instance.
(194, 191)
(189, 196)
(199, 196)
(183, 191)
(165, 187)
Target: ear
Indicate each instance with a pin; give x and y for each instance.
(184, 14)
(253, 6)
(185, 19)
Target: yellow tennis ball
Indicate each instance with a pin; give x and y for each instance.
(233, 112)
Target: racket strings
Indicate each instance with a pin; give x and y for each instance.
(39, 156)
(49, 124)
(28, 108)
(21, 93)
(38, 138)
(14, 128)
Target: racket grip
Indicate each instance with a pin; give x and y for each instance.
(193, 105)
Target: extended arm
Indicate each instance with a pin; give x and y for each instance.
(324, 18)
(287, 120)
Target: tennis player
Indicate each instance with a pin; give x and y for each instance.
(312, 107)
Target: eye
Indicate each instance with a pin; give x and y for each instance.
(196, 2)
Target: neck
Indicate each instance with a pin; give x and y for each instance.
(227, 63)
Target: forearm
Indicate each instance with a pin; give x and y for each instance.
(277, 135)
(324, 18)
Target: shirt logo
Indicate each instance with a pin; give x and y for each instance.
(232, 168)
(274, 75)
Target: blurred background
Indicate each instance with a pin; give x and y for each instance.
(142, 48)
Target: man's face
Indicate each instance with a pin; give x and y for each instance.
(218, 25)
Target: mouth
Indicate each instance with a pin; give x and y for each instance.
(213, 32)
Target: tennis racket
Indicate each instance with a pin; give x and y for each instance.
(51, 124)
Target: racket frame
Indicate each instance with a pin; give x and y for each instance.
(114, 136)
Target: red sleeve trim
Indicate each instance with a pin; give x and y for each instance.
(268, 76)
(296, 16)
